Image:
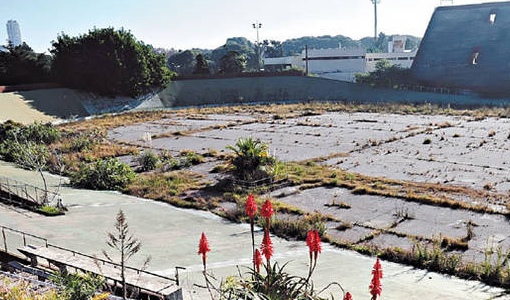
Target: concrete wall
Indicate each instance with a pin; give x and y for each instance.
(454, 35)
(295, 88)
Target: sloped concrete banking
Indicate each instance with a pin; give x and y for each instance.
(48, 105)
(52, 104)
(295, 89)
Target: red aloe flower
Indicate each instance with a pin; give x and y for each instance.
(375, 284)
(310, 242)
(317, 244)
(251, 206)
(257, 260)
(203, 248)
(348, 296)
(267, 246)
(267, 210)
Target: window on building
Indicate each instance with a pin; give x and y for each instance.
(492, 18)
(402, 58)
(476, 56)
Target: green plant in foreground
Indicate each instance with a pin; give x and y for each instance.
(275, 283)
(251, 160)
(80, 287)
(103, 174)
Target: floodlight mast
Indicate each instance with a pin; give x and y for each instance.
(375, 2)
(258, 25)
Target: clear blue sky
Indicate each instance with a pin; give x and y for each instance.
(185, 24)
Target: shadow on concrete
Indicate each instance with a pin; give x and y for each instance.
(62, 103)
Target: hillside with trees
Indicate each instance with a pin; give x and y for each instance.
(184, 62)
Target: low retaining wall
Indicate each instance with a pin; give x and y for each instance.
(28, 87)
(296, 89)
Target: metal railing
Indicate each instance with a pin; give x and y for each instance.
(17, 192)
(95, 259)
(23, 234)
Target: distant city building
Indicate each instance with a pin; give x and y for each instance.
(396, 55)
(336, 63)
(341, 63)
(13, 33)
(466, 47)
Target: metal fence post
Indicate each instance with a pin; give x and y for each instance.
(5, 240)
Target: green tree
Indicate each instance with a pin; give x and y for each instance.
(232, 62)
(201, 66)
(21, 65)
(272, 48)
(183, 63)
(240, 45)
(109, 62)
(126, 245)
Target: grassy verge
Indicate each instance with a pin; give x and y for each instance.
(169, 186)
(49, 211)
(309, 175)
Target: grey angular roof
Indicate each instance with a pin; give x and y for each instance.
(463, 48)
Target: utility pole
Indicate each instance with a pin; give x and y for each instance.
(257, 26)
(375, 2)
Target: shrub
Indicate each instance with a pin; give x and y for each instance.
(80, 287)
(148, 161)
(19, 140)
(103, 174)
(385, 75)
(40, 133)
(18, 152)
(23, 290)
(35, 132)
(250, 160)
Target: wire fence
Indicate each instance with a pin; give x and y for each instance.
(23, 194)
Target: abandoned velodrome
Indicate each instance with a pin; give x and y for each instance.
(390, 169)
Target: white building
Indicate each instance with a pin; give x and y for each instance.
(284, 63)
(341, 63)
(337, 63)
(13, 33)
(403, 59)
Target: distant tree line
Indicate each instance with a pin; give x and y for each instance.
(104, 61)
(22, 65)
(235, 50)
(113, 62)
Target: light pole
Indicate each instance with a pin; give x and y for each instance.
(257, 26)
(375, 2)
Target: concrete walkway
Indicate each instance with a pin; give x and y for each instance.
(170, 235)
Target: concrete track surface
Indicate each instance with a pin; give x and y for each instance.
(170, 236)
